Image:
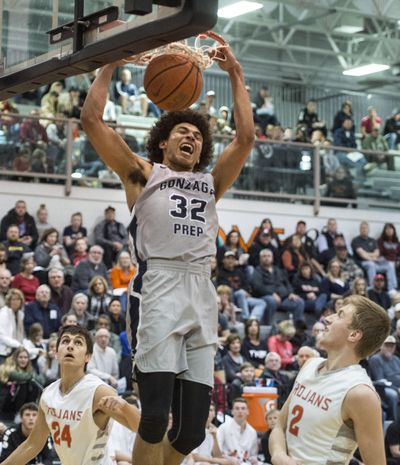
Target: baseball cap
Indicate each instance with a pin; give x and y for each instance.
(210, 93)
(390, 340)
(229, 253)
(379, 276)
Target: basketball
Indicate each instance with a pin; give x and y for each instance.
(173, 81)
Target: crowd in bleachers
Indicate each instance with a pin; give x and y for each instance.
(37, 143)
(272, 297)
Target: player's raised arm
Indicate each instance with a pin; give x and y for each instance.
(33, 445)
(367, 423)
(107, 404)
(233, 158)
(110, 146)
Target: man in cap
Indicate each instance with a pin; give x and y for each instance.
(378, 293)
(111, 235)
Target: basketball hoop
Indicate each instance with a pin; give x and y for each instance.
(202, 55)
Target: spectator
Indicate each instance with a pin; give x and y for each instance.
(344, 136)
(272, 371)
(245, 378)
(15, 435)
(233, 359)
(271, 418)
(125, 91)
(111, 235)
(122, 273)
(308, 118)
(334, 285)
(99, 296)
(22, 160)
(377, 143)
(317, 329)
(350, 269)
(389, 245)
(104, 322)
(110, 111)
(61, 294)
(304, 354)
(11, 323)
(73, 232)
(79, 309)
(392, 130)
(327, 238)
(263, 240)
(359, 287)
(210, 103)
(56, 133)
(346, 112)
(48, 363)
(254, 349)
(43, 312)
(309, 289)
(41, 163)
(42, 215)
(271, 284)
(80, 251)
(3, 260)
(69, 320)
(227, 308)
(70, 103)
(366, 250)
(32, 132)
(88, 269)
(230, 275)
(118, 323)
(15, 249)
(264, 108)
(49, 102)
(392, 443)
(5, 282)
(18, 384)
(385, 366)
(35, 344)
(232, 244)
(377, 294)
(104, 361)
(237, 438)
(341, 187)
(369, 121)
(25, 222)
(25, 281)
(293, 256)
(50, 253)
(280, 343)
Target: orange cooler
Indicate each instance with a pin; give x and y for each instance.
(260, 400)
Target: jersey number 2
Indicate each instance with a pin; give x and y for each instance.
(64, 435)
(297, 413)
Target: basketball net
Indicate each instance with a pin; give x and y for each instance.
(202, 55)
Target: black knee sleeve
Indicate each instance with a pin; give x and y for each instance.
(155, 392)
(190, 407)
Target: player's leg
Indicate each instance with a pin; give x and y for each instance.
(190, 407)
(156, 393)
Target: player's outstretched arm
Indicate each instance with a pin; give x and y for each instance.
(233, 158)
(362, 408)
(33, 445)
(110, 146)
(107, 404)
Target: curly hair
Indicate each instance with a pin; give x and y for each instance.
(162, 129)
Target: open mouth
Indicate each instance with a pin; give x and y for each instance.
(70, 356)
(187, 148)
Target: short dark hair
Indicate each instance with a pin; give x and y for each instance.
(75, 330)
(162, 129)
(28, 406)
(239, 400)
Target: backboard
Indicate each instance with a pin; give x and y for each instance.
(43, 41)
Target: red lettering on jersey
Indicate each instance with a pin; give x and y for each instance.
(327, 401)
(74, 415)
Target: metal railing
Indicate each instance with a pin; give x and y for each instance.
(281, 171)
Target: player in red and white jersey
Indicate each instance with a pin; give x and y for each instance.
(76, 409)
(333, 406)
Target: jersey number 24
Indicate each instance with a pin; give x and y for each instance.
(58, 435)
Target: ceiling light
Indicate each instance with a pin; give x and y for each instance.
(346, 29)
(238, 8)
(366, 69)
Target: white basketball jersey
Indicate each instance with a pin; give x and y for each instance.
(77, 438)
(315, 432)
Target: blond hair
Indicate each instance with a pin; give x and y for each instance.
(372, 320)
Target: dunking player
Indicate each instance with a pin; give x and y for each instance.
(76, 409)
(333, 405)
(174, 228)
